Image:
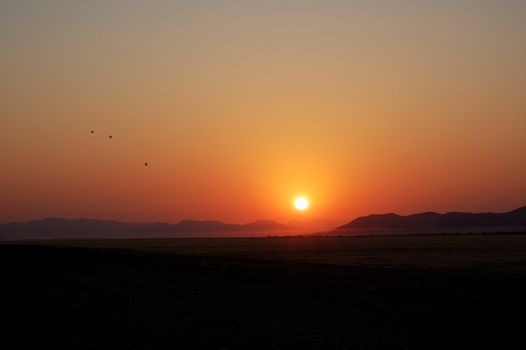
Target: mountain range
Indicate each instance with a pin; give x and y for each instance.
(431, 222)
(425, 223)
(57, 228)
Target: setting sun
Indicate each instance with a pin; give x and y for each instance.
(301, 203)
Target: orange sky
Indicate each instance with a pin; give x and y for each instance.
(240, 106)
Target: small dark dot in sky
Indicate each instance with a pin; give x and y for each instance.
(145, 164)
(92, 131)
(110, 136)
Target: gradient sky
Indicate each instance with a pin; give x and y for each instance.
(238, 106)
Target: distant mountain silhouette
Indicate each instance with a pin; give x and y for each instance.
(431, 222)
(56, 228)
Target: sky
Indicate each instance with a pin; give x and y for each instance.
(240, 106)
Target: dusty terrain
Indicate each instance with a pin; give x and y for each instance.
(332, 293)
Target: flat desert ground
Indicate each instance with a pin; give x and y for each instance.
(393, 292)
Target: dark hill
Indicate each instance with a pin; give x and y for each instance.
(431, 222)
(56, 228)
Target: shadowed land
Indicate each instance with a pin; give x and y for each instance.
(239, 293)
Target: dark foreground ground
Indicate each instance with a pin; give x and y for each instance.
(460, 292)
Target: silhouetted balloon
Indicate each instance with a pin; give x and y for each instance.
(110, 136)
(145, 164)
(92, 131)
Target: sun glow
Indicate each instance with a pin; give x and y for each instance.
(301, 203)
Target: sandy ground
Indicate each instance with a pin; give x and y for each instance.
(460, 292)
